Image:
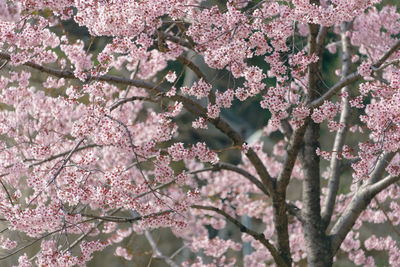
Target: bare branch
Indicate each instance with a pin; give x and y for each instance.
(334, 176)
(259, 237)
(382, 60)
(42, 237)
(359, 202)
(83, 236)
(353, 77)
(4, 64)
(60, 155)
(176, 40)
(130, 99)
(265, 177)
(157, 252)
(387, 216)
(244, 173)
(178, 251)
(193, 67)
(290, 157)
(8, 194)
(123, 219)
(357, 205)
(199, 74)
(65, 161)
(382, 184)
(382, 161)
(362, 199)
(292, 208)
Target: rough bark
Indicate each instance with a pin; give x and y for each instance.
(281, 227)
(317, 243)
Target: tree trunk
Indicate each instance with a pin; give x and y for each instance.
(317, 243)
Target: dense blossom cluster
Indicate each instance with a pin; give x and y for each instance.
(91, 142)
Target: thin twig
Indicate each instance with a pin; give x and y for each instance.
(257, 236)
(123, 219)
(60, 155)
(65, 161)
(355, 76)
(40, 238)
(8, 194)
(387, 216)
(157, 251)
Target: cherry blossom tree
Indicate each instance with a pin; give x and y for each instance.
(91, 149)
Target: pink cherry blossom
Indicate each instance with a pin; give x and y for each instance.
(261, 133)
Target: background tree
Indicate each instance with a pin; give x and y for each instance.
(94, 150)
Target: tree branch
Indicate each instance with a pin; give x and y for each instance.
(189, 104)
(323, 30)
(193, 67)
(387, 216)
(382, 184)
(42, 237)
(60, 155)
(266, 179)
(130, 99)
(199, 73)
(79, 239)
(334, 176)
(382, 162)
(291, 156)
(157, 251)
(65, 161)
(8, 193)
(355, 76)
(122, 219)
(259, 237)
(176, 40)
(361, 200)
(357, 205)
(248, 176)
(292, 208)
